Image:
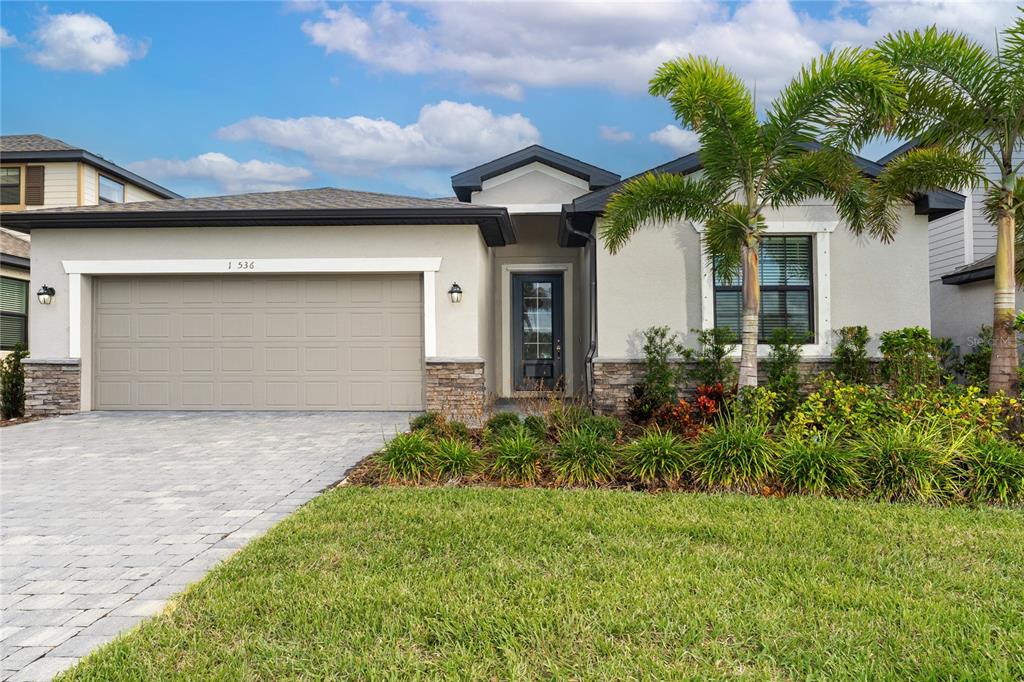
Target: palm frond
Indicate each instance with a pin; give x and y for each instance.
(712, 101)
(657, 197)
(841, 98)
(725, 235)
(954, 93)
(917, 171)
(827, 172)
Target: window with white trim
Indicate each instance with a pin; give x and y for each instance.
(13, 313)
(111, 191)
(787, 289)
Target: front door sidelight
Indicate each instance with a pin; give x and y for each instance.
(538, 343)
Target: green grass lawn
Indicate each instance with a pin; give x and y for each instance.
(514, 584)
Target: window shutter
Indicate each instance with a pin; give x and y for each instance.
(34, 185)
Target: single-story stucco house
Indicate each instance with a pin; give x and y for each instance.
(327, 299)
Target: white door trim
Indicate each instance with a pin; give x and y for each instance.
(506, 320)
(250, 266)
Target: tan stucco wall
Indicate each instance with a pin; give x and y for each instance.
(656, 280)
(459, 332)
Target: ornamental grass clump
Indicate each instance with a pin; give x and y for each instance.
(605, 427)
(818, 464)
(993, 471)
(737, 454)
(909, 461)
(656, 457)
(408, 457)
(454, 458)
(515, 456)
(583, 457)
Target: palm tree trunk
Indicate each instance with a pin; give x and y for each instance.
(751, 312)
(1002, 374)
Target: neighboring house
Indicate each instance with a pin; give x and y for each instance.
(961, 247)
(39, 172)
(15, 254)
(328, 299)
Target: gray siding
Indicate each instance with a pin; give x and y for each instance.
(945, 245)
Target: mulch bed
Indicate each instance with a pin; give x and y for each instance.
(18, 420)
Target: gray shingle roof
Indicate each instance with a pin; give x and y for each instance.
(33, 143)
(14, 244)
(297, 199)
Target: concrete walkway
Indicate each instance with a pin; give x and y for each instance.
(107, 514)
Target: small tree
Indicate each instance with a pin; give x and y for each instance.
(750, 166)
(12, 384)
(850, 357)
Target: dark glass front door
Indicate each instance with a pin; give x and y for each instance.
(538, 346)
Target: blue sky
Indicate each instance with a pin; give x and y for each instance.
(224, 97)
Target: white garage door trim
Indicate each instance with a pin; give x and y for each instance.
(251, 266)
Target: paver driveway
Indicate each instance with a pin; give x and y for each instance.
(105, 515)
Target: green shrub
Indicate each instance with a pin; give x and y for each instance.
(516, 456)
(583, 457)
(425, 421)
(537, 426)
(818, 464)
(781, 368)
(605, 427)
(455, 457)
(500, 425)
(850, 408)
(975, 364)
(993, 471)
(407, 457)
(908, 461)
(642, 405)
(713, 364)
(566, 416)
(911, 359)
(850, 362)
(661, 378)
(656, 456)
(12, 384)
(756, 405)
(737, 454)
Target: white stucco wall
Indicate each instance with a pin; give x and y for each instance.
(532, 184)
(656, 279)
(959, 311)
(463, 254)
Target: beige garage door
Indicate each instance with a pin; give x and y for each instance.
(345, 342)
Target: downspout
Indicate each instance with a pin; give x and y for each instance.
(592, 350)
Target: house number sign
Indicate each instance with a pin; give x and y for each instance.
(241, 265)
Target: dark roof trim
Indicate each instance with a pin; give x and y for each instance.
(92, 159)
(13, 261)
(968, 276)
(585, 209)
(495, 225)
(899, 151)
(469, 181)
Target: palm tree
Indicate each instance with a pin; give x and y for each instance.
(750, 166)
(965, 105)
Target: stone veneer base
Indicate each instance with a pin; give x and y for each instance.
(614, 381)
(456, 388)
(52, 386)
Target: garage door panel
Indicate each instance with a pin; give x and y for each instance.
(274, 342)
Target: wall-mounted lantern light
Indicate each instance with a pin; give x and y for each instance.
(455, 293)
(45, 294)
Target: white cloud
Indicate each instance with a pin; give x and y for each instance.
(445, 135)
(82, 42)
(613, 134)
(7, 39)
(230, 176)
(303, 6)
(675, 138)
(619, 45)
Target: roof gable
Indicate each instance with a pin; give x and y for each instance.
(469, 181)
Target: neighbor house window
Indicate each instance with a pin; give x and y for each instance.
(111, 191)
(787, 293)
(13, 312)
(10, 186)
